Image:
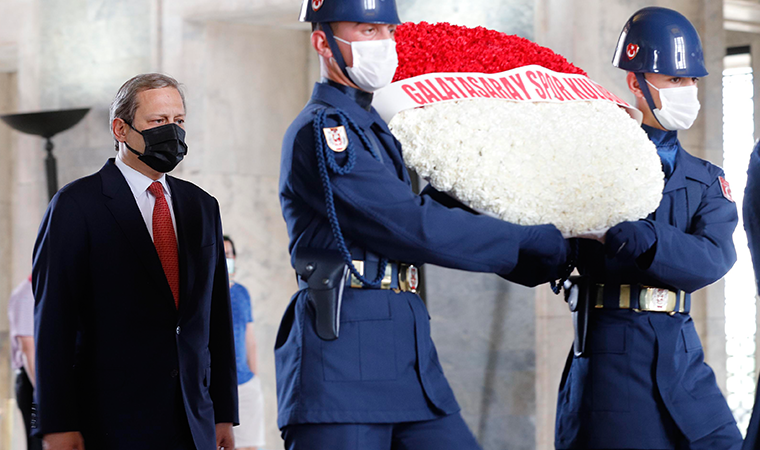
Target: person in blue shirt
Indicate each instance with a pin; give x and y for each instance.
(249, 435)
(751, 215)
(642, 382)
(356, 366)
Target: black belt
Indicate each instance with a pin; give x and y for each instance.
(640, 298)
(400, 277)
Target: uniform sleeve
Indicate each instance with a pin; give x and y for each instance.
(691, 261)
(530, 270)
(60, 280)
(751, 211)
(381, 213)
(223, 387)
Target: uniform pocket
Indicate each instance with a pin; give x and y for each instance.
(691, 340)
(365, 349)
(610, 368)
(698, 378)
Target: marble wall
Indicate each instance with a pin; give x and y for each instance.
(508, 16)
(78, 54)
(9, 51)
(484, 329)
(7, 102)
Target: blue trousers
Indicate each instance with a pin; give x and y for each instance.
(446, 433)
(726, 437)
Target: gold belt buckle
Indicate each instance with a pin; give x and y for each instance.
(657, 300)
(385, 283)
(599, 296)
(355, 283)
(408, 278)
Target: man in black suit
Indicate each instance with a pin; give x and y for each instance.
(132, 320)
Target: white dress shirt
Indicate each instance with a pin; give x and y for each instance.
(139, 184)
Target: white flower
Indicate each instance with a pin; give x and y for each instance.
(582, 166)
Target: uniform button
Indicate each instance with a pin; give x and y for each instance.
(179, 330)
(175, 372)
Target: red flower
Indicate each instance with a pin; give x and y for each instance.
(442, 47)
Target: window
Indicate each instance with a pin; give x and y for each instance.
(738, 140)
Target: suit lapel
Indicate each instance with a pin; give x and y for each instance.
(124, 209)
(183, 214)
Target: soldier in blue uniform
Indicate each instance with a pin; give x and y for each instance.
(356, 366)
(751, 214)
(641, 382)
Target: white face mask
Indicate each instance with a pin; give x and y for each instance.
(680, 107)
(375, 63)
(230, 266)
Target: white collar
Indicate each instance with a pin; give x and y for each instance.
(138, 182)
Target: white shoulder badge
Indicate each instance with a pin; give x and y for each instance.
(336, 138)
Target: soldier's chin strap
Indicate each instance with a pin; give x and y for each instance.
(337, 55)
(644, 86)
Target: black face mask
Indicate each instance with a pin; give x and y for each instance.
(164, 147)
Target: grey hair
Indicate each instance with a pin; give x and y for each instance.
(125, 105)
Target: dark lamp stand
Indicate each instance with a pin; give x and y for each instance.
(46, 124)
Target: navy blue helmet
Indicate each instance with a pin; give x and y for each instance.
(660, 40)
(363, 11)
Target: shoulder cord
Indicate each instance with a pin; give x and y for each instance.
(325, 160)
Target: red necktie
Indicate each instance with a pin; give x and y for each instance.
(165, 240)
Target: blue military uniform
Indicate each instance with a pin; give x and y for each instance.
(363, 372)
(383, 368)
(643, 383)
(751, 210)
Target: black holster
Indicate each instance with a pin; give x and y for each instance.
(578, 298)
(325, 272)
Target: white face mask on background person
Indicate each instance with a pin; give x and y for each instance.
(374, 65)
(680, 107)
(230, 266)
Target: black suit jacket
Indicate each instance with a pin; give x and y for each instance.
(115, 359)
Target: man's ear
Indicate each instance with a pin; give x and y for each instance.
(119, 130)
(319, 43)
(633, 85)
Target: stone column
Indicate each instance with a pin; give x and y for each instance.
(7, 103)
(15, 23)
